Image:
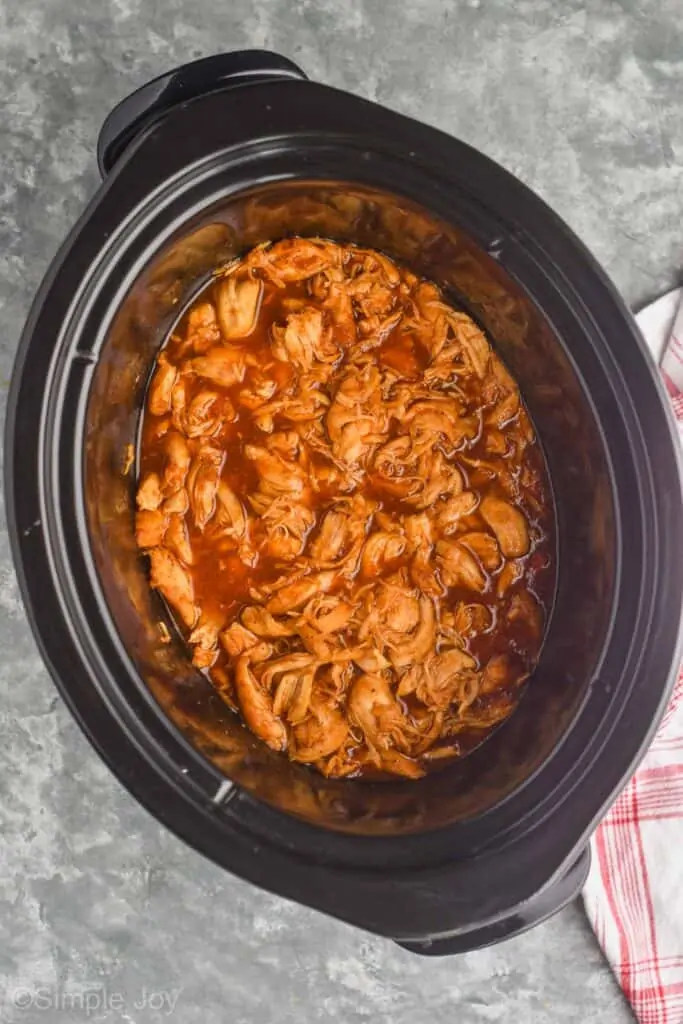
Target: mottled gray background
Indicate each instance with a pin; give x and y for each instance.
(583, 102)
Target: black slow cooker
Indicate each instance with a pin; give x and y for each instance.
(198, 166)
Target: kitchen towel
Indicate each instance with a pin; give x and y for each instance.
(634, 892)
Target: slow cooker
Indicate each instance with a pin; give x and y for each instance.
(199, 166)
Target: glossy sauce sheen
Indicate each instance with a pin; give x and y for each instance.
(387, 331)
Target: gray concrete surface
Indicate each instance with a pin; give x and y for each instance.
(582, 101)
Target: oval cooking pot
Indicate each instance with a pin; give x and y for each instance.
(198, 166)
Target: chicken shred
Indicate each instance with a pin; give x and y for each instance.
(161, 388)
(174, 581)
(237, 303)
(343, 503)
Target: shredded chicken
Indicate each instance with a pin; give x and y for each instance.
(202, 485)
(442, 680)
(508, 524)
(204, 637)
(161, 388)
(305, 339)
(459, 567)
(254, 700)
(177, 538)
(223, 366)
(150, 527)
(344, 505)
(175, 582)
(321, 732)
(237, 302)
(202, 327)
(373, 707)
(149, 496)
(177, 462)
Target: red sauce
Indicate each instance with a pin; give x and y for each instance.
(503, 462)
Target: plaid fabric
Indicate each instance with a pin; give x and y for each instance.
(634, 892)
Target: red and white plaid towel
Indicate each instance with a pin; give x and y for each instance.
(634, 892)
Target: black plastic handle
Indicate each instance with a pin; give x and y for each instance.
(534, 912)
(155, 99)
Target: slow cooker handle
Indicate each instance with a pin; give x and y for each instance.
(526, 916)
(155, 99)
